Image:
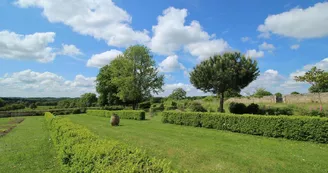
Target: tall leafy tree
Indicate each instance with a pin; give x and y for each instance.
(106, 89)
(223, 72)
(88, 99)
(317, 78)
(134, 75)
(178, 94)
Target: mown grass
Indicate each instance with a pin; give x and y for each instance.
(27, 148)
(206, 150)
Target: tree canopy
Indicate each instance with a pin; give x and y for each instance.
(294, 93)
(317, 78)
(178, 94)
(223, 72)
(278, 94)
(133, 75)
(88, 99)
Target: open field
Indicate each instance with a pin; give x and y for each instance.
(206, 150)
(27, 148)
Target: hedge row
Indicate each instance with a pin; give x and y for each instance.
(4, 114)
(124, 114)
(290, 127)
(79, 150)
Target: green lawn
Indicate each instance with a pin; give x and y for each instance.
(27, 148)
(206, 150)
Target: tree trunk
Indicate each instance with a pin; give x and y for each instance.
(221, 102)
(134, 105)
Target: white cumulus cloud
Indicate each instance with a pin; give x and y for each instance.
(28, 83)
(101, 19)
(171, 34)
(70, 50)
(27, 47)
(295, 46)
(311, 22)
(102, 59)
(267, 46)
(171, 64)
(254, 54)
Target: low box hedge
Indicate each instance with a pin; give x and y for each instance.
(123, 114)
(290, 127)
(4, 114)
(79, 150)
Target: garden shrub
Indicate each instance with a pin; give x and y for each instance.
(113, 108)
(124, 114)
(291, 127)
(276, 111)
(197, 107)
(4, 114)
(237, 108)
(144, 105)
(253, 108)
(79, 150)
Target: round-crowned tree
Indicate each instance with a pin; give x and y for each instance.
(230, 71)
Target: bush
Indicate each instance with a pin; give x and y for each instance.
(253, 108)
(79, 150)
(144, 105)
(156, 107)
(291, 127)
(4, 114)
(113, 108)
(237, 108)
(125, 114)
(197, 107)
(170, 105)
(276, 111)
(208, 99)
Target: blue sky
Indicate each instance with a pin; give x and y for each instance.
(55, 48)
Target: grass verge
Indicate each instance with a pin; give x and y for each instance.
(27, 148)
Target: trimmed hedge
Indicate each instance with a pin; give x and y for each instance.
(124, 114)
(79, 150)
(4, 114)
(290, 127)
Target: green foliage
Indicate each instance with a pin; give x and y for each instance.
(79, 150)
(106, 89)
(253, 109)
(113, 108)
(33, 106)
(220, 73)
(278, 95)
(144, 105)
(41, 112)
(14, 106)
(295, 128)
(231, 93)
(135, 75)
(178, 94)
(260, 92)
(316, 77)
(156, 107)
(170, 105)
(124, 114)
(294, 93)
(237, 108)
(2, 103)
(208, 99)
(196, 107)
(88, 99)
(317, 88)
